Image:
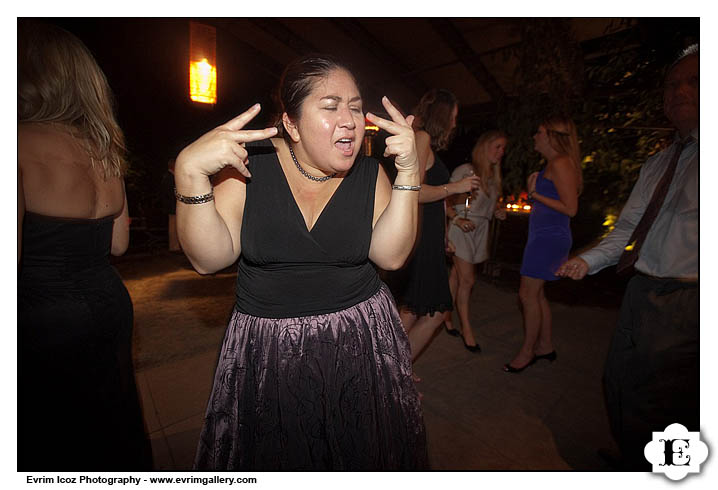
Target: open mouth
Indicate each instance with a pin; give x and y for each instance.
(345, 145)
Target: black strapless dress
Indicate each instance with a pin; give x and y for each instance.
(78, 407)
(424, 282)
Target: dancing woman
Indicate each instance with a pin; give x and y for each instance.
(554, 192)
(314, 372)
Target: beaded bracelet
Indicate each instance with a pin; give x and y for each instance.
(195, 199)
(406, 187)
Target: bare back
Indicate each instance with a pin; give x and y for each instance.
(58, 178)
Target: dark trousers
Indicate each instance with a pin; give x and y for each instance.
(651, 377)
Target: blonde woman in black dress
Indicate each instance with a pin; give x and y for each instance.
(78, 408)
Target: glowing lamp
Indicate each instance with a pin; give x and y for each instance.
(370, 130)
(202, 63)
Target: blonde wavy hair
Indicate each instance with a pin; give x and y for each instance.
(433, 115)
(59, 81)
(563, 138)
(490, 174)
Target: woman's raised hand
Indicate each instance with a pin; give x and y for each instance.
(468, 184)
(531, 182)
(223, 146)
(401, 144)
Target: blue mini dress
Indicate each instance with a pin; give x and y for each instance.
(549, 239)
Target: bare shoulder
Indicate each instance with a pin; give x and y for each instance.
(561, 167)
(29, 136)
(422, 137)
(563, 163)
(36, 131)
(33, 130)
(41, 143)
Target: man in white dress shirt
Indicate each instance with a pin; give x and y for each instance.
(651, 377)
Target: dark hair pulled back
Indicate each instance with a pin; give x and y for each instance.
(298, 81)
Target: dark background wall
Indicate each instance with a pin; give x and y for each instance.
(146, 63)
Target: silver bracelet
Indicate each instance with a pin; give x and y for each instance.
(406, 187)
(195, 199)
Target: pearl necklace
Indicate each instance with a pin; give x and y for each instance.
(304, 173)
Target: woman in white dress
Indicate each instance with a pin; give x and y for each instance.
(470, 216)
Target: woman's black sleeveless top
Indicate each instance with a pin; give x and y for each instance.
(286, 270)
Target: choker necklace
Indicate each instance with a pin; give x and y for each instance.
(304, 173)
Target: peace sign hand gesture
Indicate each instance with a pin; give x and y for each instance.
(223, 146)
(401, 144)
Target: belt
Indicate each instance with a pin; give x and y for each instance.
(667, 285)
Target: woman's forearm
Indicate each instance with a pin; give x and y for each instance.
(433, 193)
(395, 231)
(121, 231)
(202, 231)
(204, 237)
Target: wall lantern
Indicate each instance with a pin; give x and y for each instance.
(370, 131)
(202, 63)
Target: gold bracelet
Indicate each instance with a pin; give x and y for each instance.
(195, 199)
(446, 189)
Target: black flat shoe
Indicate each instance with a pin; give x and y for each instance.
(508, 368)
(551, 356)
(472, 348)
(452, 331)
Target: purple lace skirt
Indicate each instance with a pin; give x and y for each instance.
(324, 392)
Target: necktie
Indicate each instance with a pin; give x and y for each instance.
(630, 254)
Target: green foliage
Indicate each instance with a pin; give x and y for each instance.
(548, 79)
(614, 97)
(622, 125)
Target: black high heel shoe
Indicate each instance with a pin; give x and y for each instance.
(472, 348)
(452, 331)
(551, 356)
(508, 368)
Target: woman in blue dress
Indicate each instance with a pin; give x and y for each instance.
(554, 192)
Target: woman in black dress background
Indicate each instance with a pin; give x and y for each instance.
(78, 407)
(425, 294)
